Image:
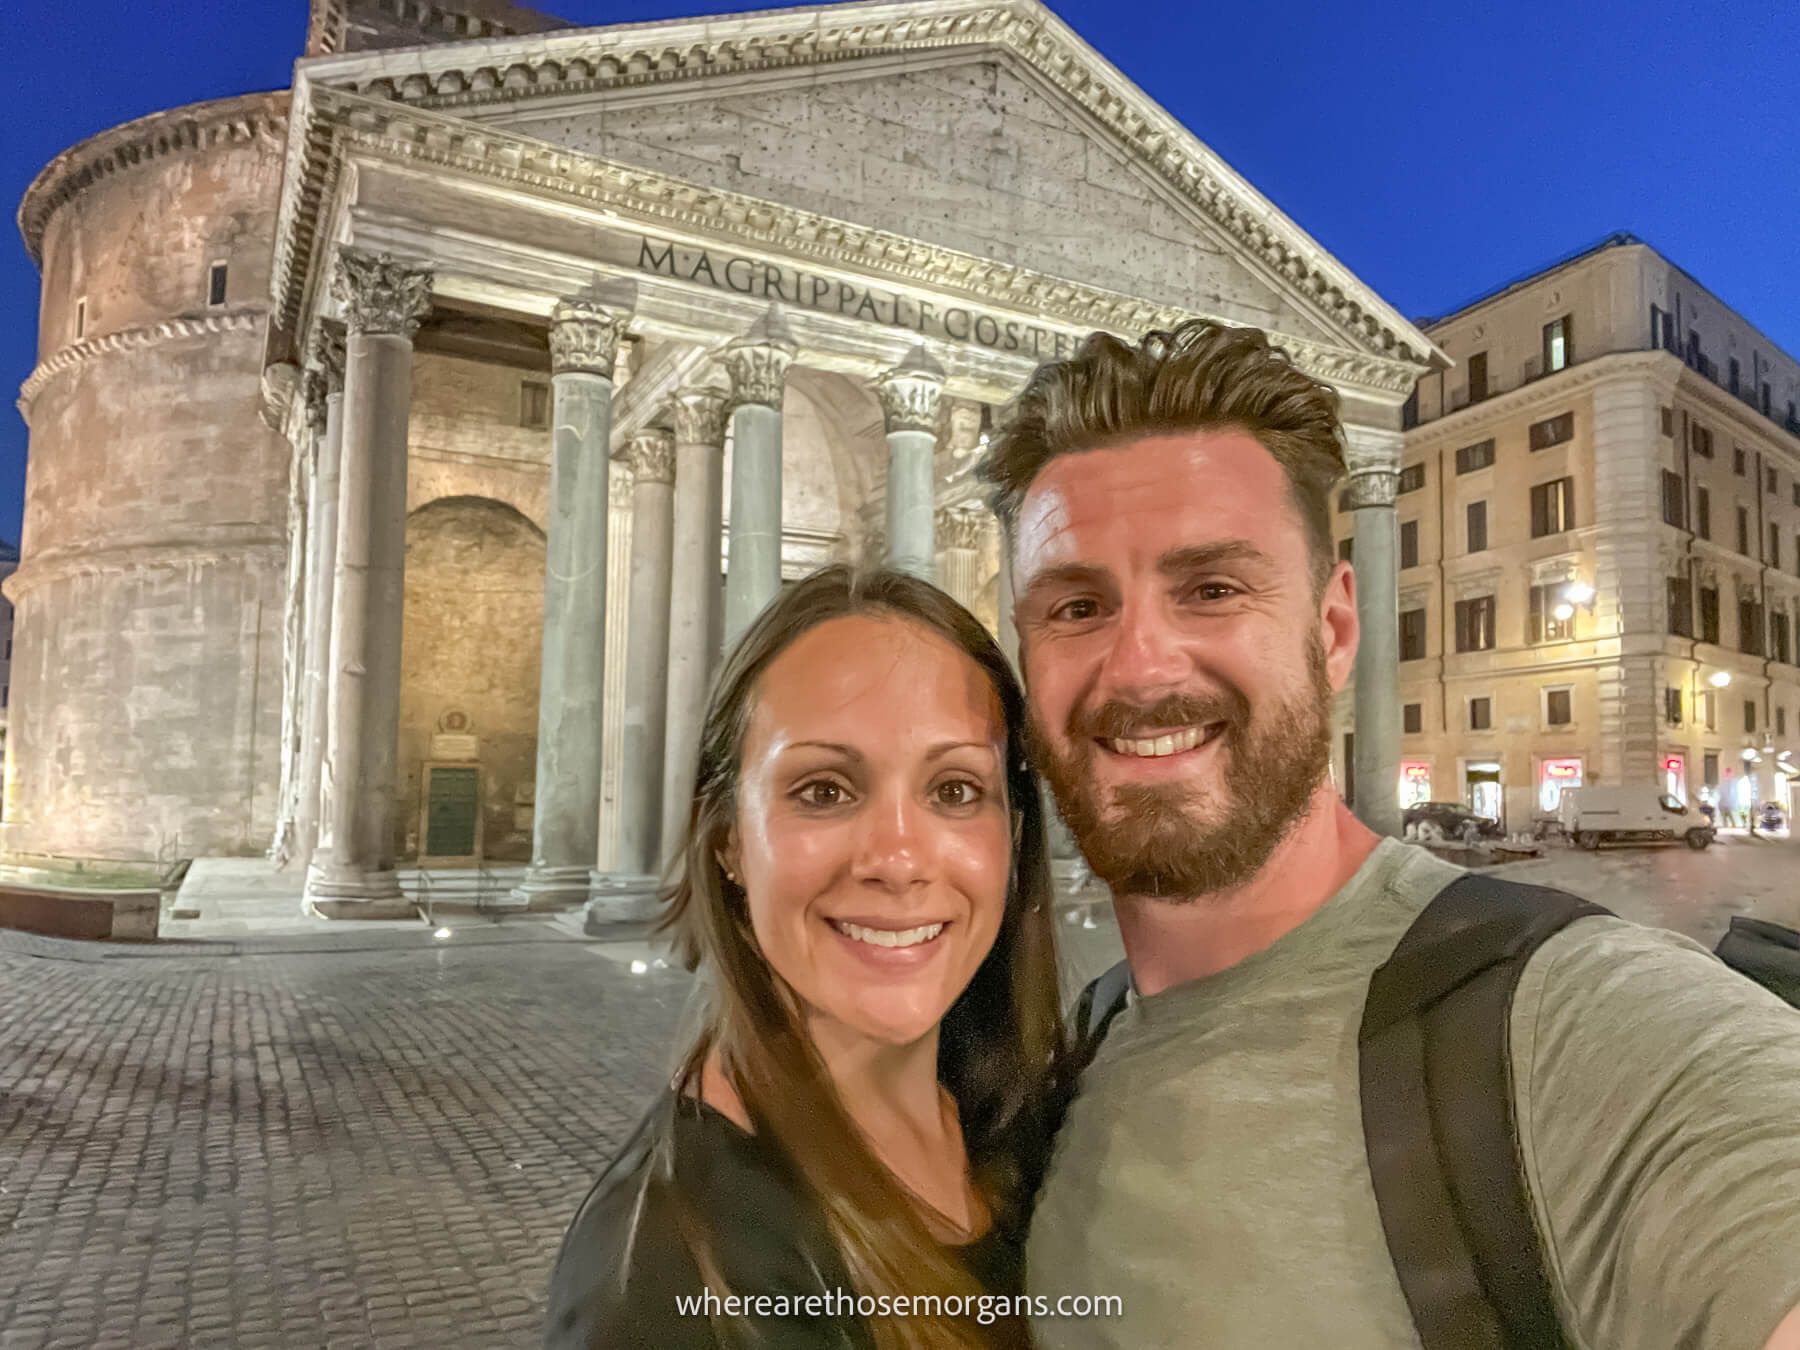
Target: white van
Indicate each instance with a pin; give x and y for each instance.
(1593, 816)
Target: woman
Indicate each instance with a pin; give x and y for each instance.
(865, 890)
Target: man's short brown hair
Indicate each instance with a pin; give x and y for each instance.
(1201, 376)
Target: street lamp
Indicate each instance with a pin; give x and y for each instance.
(1719, 679)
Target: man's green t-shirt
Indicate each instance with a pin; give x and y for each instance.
(1212, 1172)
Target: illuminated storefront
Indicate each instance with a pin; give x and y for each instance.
(1415, 782)
(1675, 777)
(1553, 776)
(1481, 787)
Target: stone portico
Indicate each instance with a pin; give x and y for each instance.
(593, 339)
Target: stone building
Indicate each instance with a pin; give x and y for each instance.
(395, 482)
(1599, 524)
(9, 563)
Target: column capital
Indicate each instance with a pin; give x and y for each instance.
(380, 294)
(757, 362)
(327, 357)
(910, 392)
(960, 527)
(315, 388)
(584, 337)
(651, 455)
(1372, 487)
(700, 412)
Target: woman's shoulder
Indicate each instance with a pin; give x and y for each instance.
(626, 1271)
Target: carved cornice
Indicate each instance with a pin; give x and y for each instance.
(480, 77)
(584, 338)
(223, 545)
(960, 527)
(700, 417)
(381, 296)
(910, 392)
(134, 339)
(198, 126)
(280, 386)
(651, 455)
(1465, 424)
(757, 362)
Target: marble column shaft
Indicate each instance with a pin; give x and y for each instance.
(326, 397)
(1376, 767)
(352, 873)
(694, 597)
(757, 364)
(565, 840)
(1009, 628)
(910, 395)
(652, 455)
(960, 530)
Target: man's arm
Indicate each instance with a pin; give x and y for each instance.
(1658, 1093)
(1787, 1335)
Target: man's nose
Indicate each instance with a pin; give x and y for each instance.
(891, 846)
(1147, 657)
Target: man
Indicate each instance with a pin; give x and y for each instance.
(1183, 626)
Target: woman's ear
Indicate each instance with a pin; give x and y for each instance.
(727, 855)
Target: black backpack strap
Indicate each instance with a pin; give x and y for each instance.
(1102, 1000)
(1438, 1115)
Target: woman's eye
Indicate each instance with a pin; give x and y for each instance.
(820, 792)
(959, 792)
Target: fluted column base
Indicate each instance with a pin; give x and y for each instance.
(548, 887)
(337, 892)
(618, 903)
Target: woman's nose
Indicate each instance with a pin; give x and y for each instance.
(890, 849)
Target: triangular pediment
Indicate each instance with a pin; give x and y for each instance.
(989, 129)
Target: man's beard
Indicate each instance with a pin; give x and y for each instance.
(1180, 841)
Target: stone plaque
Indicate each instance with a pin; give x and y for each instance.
(455, 745)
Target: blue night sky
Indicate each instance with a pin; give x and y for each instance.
(1437, 150)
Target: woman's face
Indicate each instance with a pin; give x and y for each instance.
(873, 836)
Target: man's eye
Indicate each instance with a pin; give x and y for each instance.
(959, 792)
(819, 792)
(1075, 611)
(1214, 590)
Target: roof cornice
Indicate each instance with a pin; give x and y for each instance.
(198, 126)
(340, 124)
(1656, 365)
(477, 78)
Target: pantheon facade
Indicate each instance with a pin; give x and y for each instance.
(407, 446)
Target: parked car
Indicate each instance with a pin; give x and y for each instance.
(1436, 822)
(1593, 816)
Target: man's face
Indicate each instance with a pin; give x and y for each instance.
(1180, 666)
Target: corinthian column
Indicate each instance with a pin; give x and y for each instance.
(652, 455)
(909, 407)
(757, 364)
(565, 829)
(1374, 457)
(352, 871)
(960, 530)
(325, 409)
(694, 596)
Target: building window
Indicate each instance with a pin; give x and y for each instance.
(1412, 478)
(1556, 345)
(215, 285)
(1734, 373)
(1769, 480)
(1477, 456)
(1673, 499)
(1346, 547)
(1542, 623)
(1412, 635)
(81, 318)
(1558, 711)
(1797, 492)
(1414, 718)
(1552, 431)
(1702, 441)
(534, 405)
(1672, 705)
(1709, 767)
(1475, 624)
(1681, 607)
(1552, 507)
(1481, 714)
(1478, 384)
(1778, 636)
(1709, 703)
(1750, 715)
(1709, 614)
(1409, 543)
(1765, 398)
(1703, 513)
(1743, 538)
(1475, 520)
(1750, 627)
(1668, 422)
(1737, 460)
(1774, 558)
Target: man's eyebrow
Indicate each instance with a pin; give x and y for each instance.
(1199, 557)
(1066, 574)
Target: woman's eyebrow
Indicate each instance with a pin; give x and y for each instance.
(937, 751)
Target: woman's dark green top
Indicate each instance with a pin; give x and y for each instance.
(624, 1264)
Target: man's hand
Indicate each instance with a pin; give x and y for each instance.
(1787, 1335)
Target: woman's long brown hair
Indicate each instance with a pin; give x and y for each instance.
(1000, 1041)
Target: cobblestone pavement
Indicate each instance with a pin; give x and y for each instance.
(331, 1148)
(374, 1141)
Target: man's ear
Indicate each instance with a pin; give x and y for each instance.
(1339, 629)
